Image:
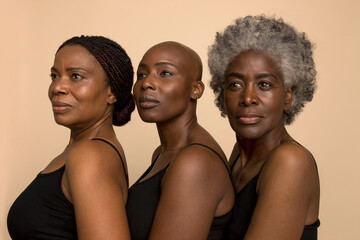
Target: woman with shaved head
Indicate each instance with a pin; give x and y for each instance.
(187, 192)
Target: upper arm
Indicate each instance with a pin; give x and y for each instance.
(94, 175)
(191, 191)
(287, 185)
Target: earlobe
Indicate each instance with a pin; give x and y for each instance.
(198, 89)
(288, 99)
(111, 97)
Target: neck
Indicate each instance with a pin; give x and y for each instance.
(92, 131)
(175, 134)
(252, 150)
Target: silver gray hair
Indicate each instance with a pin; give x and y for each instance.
(292, 52)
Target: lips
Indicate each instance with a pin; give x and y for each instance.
(60, 107)
(148, 101)
(249, 118)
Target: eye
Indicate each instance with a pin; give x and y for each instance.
(234, 85)
(76, 76)
(265, 85)
(166, 74)
(53, 76)
(140, 76)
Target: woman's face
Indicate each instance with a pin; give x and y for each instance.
(163, 88)
(78, 91)
(254, 95)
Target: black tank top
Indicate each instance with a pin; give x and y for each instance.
(143, 198)
(42, 211)
(245, 202)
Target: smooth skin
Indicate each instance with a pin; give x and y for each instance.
(288, 185)
(94, 179)
(196, 186)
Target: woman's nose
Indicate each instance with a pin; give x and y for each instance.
(59, 86)
(148, 83)
(249, 96)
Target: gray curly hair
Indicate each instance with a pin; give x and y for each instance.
(291, 50)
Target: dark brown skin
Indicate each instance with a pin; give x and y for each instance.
(196, 186)
(82, 101)
(288, 186)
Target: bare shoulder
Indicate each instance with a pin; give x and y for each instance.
(198, 161)
(93, 156)
(291, 163)
(292, 156)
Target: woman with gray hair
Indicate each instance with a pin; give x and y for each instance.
(263, 73)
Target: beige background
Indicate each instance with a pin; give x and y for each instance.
(32, 30)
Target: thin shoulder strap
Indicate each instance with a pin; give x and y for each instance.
(117, 151)
(222, 160)
(149, 169)
(236, 159)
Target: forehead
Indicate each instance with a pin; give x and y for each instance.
(75, 55)
(255, 60)
(173, 54)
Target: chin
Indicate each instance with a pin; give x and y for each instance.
(62, 121)
(247, 136)
(249, 132)
(148, 119)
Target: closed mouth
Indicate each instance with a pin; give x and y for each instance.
(249, 118)
(148, 101)
(60, 107)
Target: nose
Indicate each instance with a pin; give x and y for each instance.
(249, 96)
(148, 83)
(59, 86)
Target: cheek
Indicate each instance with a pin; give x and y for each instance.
(230, 102)
(275, 106)
(50, 95)
(176, 94)
(86, 93)
(136, 89)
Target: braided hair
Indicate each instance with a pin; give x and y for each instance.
(118, 68)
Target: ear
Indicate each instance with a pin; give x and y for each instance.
(197, 90)
(288, 99)
(111, 97)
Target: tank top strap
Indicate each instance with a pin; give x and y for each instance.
(236, 159)
(117, 151)
(149, 169)
(222, 160)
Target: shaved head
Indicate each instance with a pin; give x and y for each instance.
(185, 55)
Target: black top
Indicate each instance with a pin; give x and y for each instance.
(42, 211)
(143, 198)
(245, 202)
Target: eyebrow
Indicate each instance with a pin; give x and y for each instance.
(164, 63)
(261, 75)
(70, 69)
(143, 65)
(239, 75)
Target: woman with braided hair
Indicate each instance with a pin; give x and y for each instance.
(263, 73)
(82, 193)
